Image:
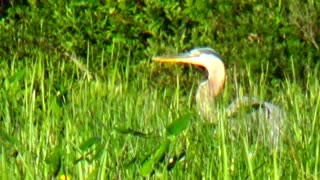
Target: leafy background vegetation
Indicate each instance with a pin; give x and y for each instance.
(73, 71)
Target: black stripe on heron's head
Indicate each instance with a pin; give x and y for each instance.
(206, 50)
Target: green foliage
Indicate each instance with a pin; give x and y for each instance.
(75, 80)
(268, 32)
(148, 166)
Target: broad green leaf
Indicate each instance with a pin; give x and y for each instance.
(179, 125)
(148, 165)
(161, 151)
(18, 76)
(91, 155)
(123, 130)
(98, 152)
(90, 142)
(7, 137)
(54, 160)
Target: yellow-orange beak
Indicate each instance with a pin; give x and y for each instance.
(186, 58)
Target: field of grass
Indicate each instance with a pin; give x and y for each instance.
(106, 115)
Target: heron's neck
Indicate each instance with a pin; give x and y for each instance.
(216, 78)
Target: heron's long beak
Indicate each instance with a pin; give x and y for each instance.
(187, 58)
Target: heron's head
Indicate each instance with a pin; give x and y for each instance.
(205, 57)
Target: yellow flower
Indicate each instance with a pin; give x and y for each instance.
(65, 177)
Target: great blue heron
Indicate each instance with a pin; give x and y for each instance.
(269, 116)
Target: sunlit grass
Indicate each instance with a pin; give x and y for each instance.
(44, 110)
(56, 121)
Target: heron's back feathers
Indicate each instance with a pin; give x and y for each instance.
(265, 116)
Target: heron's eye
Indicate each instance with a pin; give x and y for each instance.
(195, 52)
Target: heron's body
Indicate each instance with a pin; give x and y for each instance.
(269, 115)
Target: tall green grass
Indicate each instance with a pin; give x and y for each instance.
(105, 113)
(56, 123)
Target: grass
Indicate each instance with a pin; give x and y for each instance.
(47, 116)
(105, 111)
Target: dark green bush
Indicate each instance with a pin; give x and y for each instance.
(272, 33)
